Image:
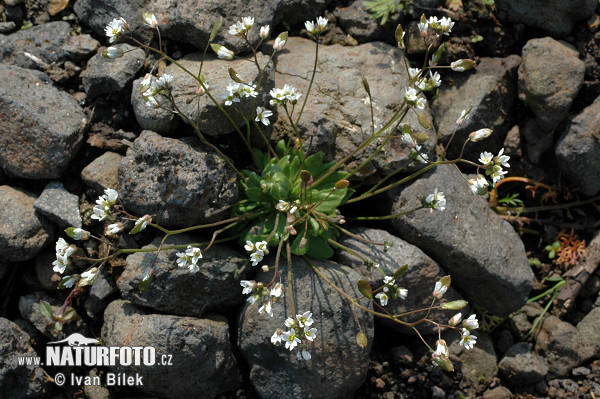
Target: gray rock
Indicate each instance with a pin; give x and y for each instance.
(107, 76)
(102, 172)
(338, 365)
(520, 366)
(23, 231)
(37, 141)
(211, 120)
(498, 393)
(561, 345)
(159, 120)
(102, 291)
(7, 27)
(96, 391)
(556, 17)
(492, 90)
(337, 117)
(59, 205)
(589, 330)
(423, 272)
(357, 22)
(29, 308)
(578, 150)
(176, 290)
(177, 180)
(477, 364)
(203, 364)
(81, 47)
(48, 278)
(402, 355)
(45, 41)
(18, 381)
(481, 252)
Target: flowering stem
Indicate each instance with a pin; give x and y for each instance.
(387, 216)
(289, 277)
(350, 251)
(312, 78)
(203, 226)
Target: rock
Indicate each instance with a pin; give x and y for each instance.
(211, 120)
(107, 76)
(23, 231)
(29, 308)
(46, 41)
(519, 324)
(81, 47)
(498, 393)
(37, 141)
(492, 90)
(556, 17)
(18, 381)
(514, 148)
(423, 272)
(103, 290)
(175, 290)
(520, 366)
(338, 365)
(159, 120)
(357, 22)
(202, 362)
(102, 172)
(402, 356)
(7, 27)
(337, 117)
(477, 364)
(589, 331)
(177, 180)
(59, 205)
(48, 278)
(437, 393)
(96, 391)
(578, 150)
(481, 252)
(561, 345)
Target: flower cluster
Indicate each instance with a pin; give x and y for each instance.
(441, 356)
(104, 205)
(299, 329)
(63, 251)
(318, 27)
(411, 98)
(258, 291)
(435, 200)
(115, 29)
(440, 26)
(282, 96)
(390, 290)
(114, 229)
(189, 258)
(493, 165)
(424, 83)
(258, 251)
(415, 149)
(150, 87)
(284, 206)
(242, 27)
(237, 91)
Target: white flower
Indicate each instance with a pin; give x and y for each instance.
(310, 27)
(486, 158)
(89, 276)
(411, 95)
(63, 251)
(266, 308)
(471, 322)
(436, 200)
(68, 281)
(423, 26)
(290, 338)
(388, 280)
(289, 322)
(276, 337)
(151, 102)
(479, 185)
(237, 29)
(113, 52)
(305, 355)
(262, 115)
(279, 43)
(439, 290)
(150, 20)
(420, 103)
(310, 334)
(248, 286)
(455, 319)
(248, 22)
(413, 72)
(322, 23)
(264, 31)
(224, 54)
(383, 298)
(164, 81)
(104, 204)
(193, 254)
(256, 257)
(408, 140)
(282, 206)
(497, 175)
(441, 349)
(417, 156)
(249, 246)
(115, 29)
(277, 291)
(480, 135)
(502, 159)
(189, 258)
(315, 28)
(402, 293)
(435, 79)
(253, 298)
(464, 115)
(467, 340)
(262, 246)
(114, 229)
(305, 319)
(143, 222)
(80, 234)
(265, 268)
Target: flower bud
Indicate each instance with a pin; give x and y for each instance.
(480, 135)
(455, 319)
(462, 65)
(264, 31)
(112, 53)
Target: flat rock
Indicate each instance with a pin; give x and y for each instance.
(23, 231)
(338, 365)
(59, 205)
(556, 17)
(520, 366)
(102, 291)
(18, 381)
(589, 330)
(102, 172)
(38, 142)
(482, 253)
(177, 180)
(160, 120)
(337, 117)
(107, 76)
(81, 47)
(420, 279)
(491, 89)
(578, 150)
(176, 290)
(211, 120)
(357, 22)
(203, 364)
(477, 364)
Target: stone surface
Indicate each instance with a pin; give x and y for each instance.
(23, 231)
(37, 141)
(29, 308)
(520, 366)
(211, 120)
(338, 366)
(423, 272)
(175, 290)
(477, 364)
(578, 150)
(337, 117)
(556, 17)
(159, 120)
(59, 205)
(81, 47)
(102, 291)
(102, 172)
(357, 22)
(17, 382)
(492, 90)
(177, 180)
(498, 393)
(48, 278)
(484, 256)
(203, 364)
(107, 76)
(589, 331)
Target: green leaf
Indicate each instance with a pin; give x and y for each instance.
(69, 315)
(46, 310)
(365, 288)
(401, 270)
(63, 283)
(455, 305)
(438, 53)
(331, 203)
(215, 29)
(280, 148)
(296, 247)
(361, 340)
(313, 163)
(146, 279)
(423, 121)
(319, 248)
(70, 231)
(255, 194)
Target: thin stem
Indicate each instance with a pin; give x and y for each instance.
(289, 277)
(387, 216)
(312, 78)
